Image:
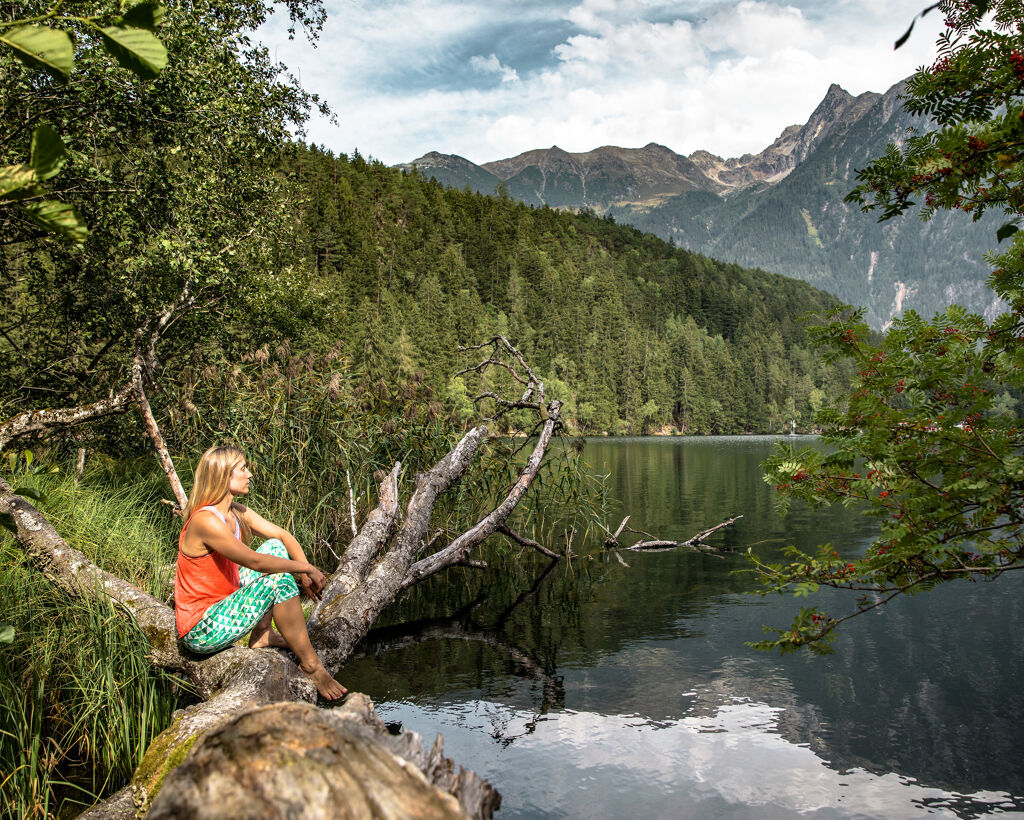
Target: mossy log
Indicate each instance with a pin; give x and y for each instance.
(295, 760)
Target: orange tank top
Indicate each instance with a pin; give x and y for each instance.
(201, 582)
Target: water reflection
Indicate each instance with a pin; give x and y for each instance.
(568, 684)
(731, 763)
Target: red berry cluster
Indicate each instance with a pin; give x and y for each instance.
(975, 143)
(1017, 61)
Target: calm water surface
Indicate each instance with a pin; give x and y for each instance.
(593, 689)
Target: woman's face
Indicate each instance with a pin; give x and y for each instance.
(238, 483)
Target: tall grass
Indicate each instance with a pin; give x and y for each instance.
(79, 701)
(309, 425)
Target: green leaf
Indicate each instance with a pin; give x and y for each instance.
(7, 522)
(42, 47)
(6, 633)
(136, 49)
(15, 177)
(29, 492)
(58, 217)
(1006, 231)
(147, 15)
(48, 152)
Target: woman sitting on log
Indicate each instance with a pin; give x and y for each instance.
(224, 589)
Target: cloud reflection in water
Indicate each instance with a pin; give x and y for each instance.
(733, 763)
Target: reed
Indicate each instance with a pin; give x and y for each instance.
(80, 701)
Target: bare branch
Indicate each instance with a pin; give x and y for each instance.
(36, 421)
(702, 535)
(79, 464)
(351, 503)
(527, 542)
(344, 620)
(153, 431)
(359, 554)
(613, 538)
(696, 542)
(460, 547)
(500, 345)
(144, 360)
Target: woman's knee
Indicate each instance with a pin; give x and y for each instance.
(284, 586)
(273, 546)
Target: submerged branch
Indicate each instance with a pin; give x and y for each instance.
(696, 542)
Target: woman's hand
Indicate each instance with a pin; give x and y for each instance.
(313, 583)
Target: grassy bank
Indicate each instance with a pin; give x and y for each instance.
(79, 699)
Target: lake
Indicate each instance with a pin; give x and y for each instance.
(594, 689)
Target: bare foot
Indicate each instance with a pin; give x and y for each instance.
(327, 686)
(268, 638)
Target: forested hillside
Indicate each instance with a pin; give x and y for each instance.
(635, 334)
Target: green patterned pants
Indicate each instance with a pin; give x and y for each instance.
(229, 619)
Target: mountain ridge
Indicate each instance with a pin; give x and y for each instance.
(782, 209)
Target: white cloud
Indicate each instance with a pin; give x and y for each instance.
(759, 29)
(492, 65)
(659, 48)
(629, 72)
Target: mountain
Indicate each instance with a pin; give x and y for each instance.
(454, 171)
(774, 163)
(801, 226)
(599, 178)
(781, 210)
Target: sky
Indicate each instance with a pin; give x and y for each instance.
(488, 79)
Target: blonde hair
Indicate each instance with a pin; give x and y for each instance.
(212, 479)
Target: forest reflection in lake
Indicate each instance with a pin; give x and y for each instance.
(600, 690)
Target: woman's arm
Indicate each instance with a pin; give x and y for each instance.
(265, 529)
(216, 535)
(312, 583)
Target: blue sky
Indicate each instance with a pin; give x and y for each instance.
(488, 80)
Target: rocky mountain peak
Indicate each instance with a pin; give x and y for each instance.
(611, 175)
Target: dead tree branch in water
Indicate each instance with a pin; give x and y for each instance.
(653, 544)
